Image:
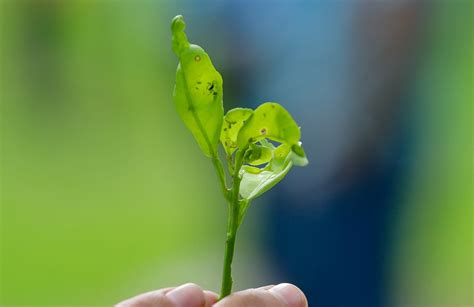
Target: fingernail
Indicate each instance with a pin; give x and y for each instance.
(187, 295)
(293, 296)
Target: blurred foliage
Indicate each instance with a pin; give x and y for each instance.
(92, 202)
(433, 265)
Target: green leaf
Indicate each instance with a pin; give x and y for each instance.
(233, 122)
(198, 90)
(256, 181)
(252, 169)
(270, 120)
(298, 155)
(258, 155)
(254, 185)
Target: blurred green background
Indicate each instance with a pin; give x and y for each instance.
(103, 190)
(104, 194)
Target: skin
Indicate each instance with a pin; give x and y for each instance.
(191, 295)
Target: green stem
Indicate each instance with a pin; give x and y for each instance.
(227, 281)
(232, 226)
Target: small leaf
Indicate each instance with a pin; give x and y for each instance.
(198, 90)
(256, 181)
(266, 143)
(233, 122)
(258, 155)
(254, 185)
(298, 155)
(270, 120)
(252, 169)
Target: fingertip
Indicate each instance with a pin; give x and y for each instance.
(291, 294)
(210, 297)
(187, 295)
(151, 297)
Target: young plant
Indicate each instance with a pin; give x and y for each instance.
(248, 137)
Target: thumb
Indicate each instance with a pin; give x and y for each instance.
(282, 295)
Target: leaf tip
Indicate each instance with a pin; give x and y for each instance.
(178, 24)
(180, 41)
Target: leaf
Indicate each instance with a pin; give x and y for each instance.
(233, 122)
(252, 169)
(258, 155)
(257, 181)
(254, 185)
(270, 120)
(295, 153)
(298, 155)
(198, 90)
(266, 143)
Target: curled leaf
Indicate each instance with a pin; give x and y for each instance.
(270, 120)
(198, 90)
(252, 169)
(233, 122)
(255, 184)
(256, 181)
(258, 155)
(298, 155)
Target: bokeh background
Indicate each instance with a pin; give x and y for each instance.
(104, 194)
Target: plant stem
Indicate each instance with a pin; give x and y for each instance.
(227, 281)
(232, 226)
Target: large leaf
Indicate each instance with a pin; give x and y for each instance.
(233, 122)
(198, 90)
(270, 120)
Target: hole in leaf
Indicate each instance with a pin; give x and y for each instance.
(274, 143)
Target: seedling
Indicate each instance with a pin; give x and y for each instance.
(260, 146)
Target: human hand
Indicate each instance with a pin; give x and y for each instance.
(191, 295)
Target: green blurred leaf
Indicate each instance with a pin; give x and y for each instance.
(198, 91)
(233, 122)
